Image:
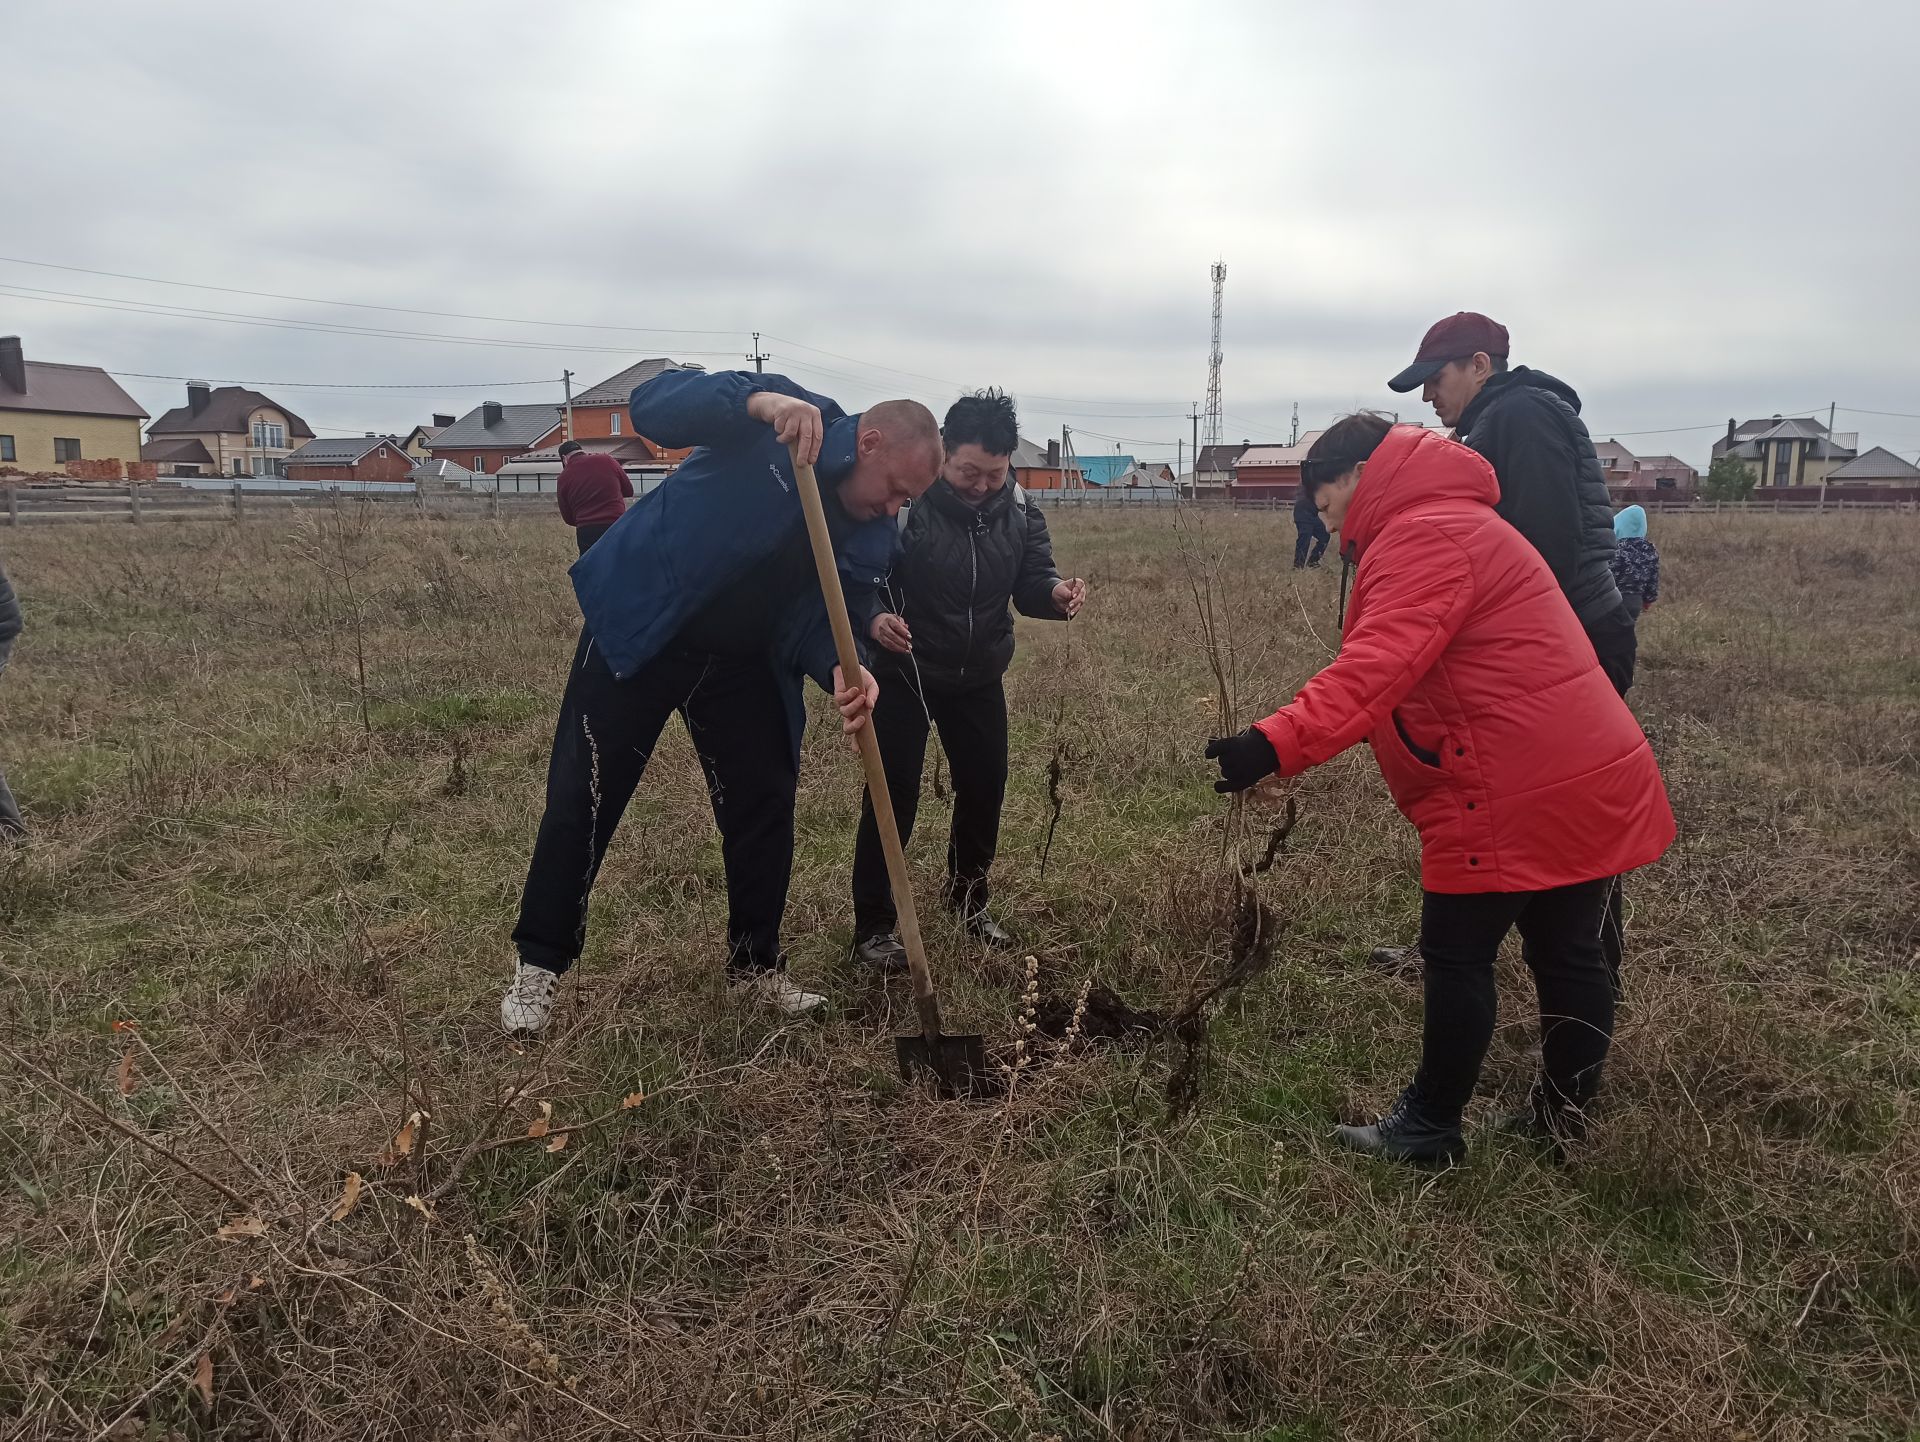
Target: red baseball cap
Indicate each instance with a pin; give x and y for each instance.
(1455, 338)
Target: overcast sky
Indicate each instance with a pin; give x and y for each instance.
(1688, 211)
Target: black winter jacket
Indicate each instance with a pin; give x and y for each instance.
(955, 571)
(1552, 490)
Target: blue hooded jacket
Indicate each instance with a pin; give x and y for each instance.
(710, 525)
(1630, 524)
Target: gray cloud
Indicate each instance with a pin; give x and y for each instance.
(1690, 212)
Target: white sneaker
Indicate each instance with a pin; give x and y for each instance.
(775, 990)
(528, 1004)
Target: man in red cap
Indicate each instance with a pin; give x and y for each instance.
(1552, 491)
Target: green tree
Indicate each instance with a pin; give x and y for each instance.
(1728, 480)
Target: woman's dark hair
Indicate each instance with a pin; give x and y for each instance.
(985, 419)
(1342, 446)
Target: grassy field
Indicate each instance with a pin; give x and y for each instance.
(284, 783)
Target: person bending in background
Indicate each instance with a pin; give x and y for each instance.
(1636, 564)
(593, 491)
(973, 545)
(1312, 536)
(1502, 741)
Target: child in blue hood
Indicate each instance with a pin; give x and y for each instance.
(1636, 564)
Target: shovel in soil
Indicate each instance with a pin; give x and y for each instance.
(957, 1064)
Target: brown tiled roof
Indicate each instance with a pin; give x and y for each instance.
(185, 451)
(1219, 458)
(72, 390)
(226, 412)
(616, 389)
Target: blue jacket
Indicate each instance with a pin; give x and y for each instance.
(710, 525)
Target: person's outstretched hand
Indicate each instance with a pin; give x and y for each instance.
(1245, 760)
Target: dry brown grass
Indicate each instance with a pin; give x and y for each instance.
(307, 919)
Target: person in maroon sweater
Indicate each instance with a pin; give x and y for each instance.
(594, 490)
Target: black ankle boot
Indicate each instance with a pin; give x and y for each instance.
(1409, 1132)
(1544, 1124)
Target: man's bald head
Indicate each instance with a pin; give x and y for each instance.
(897, 456)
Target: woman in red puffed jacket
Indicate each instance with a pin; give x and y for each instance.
(1501, 740)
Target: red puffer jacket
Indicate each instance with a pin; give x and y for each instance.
(1464, 668)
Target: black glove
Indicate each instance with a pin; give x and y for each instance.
(1244, 760)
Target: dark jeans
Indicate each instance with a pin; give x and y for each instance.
(1310, 546)
(973, 731)
(587, 535)
(1561, 929)
(737, 719)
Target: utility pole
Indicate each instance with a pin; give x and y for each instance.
(1295, 439)
(566, 383)
(1196, 442)
(1832, 406)
(759, 357)
(1179, 443)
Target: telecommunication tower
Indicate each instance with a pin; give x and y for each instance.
(1213, 360)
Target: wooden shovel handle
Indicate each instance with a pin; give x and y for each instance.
(909, 921)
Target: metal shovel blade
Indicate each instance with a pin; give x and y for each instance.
(957, 1064)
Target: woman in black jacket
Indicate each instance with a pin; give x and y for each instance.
(970, 547)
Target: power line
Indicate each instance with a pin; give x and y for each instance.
(361, 304)
(30, 293)
(337, 385)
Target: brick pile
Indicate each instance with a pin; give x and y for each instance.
(106, 470)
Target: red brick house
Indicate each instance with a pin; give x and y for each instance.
(600, 421)
(362, 458)
(490, 435)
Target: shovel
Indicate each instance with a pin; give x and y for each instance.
(958, 1064)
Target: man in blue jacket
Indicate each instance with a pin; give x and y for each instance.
(703, 599)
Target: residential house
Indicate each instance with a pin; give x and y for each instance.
(490, 435)
(1038, 468)
(179, 456)
(1795, 451)
(243, 432)
(1271, 472)
(415, 441)
(1214, 466)
(364, 458)
(431, 475)
(1148, 473)
(600, 418)
(1664, 472)
(51, 413)
(1616, 462)
(1099, 470)
(1876, 467)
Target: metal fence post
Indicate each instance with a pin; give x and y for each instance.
(13, 505)
(239, 505)
(133, 502)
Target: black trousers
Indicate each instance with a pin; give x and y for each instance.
(1561, 929)
(1310, 546)
(1616, 642)
(587, 535)
(737, 719)
(973, 731)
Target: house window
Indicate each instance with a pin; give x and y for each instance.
(616, 423)
(266, 433)
(239, 466)
(6, 448)
(65, 449)
(480, 464)
(262, 466)
(1782, 462)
